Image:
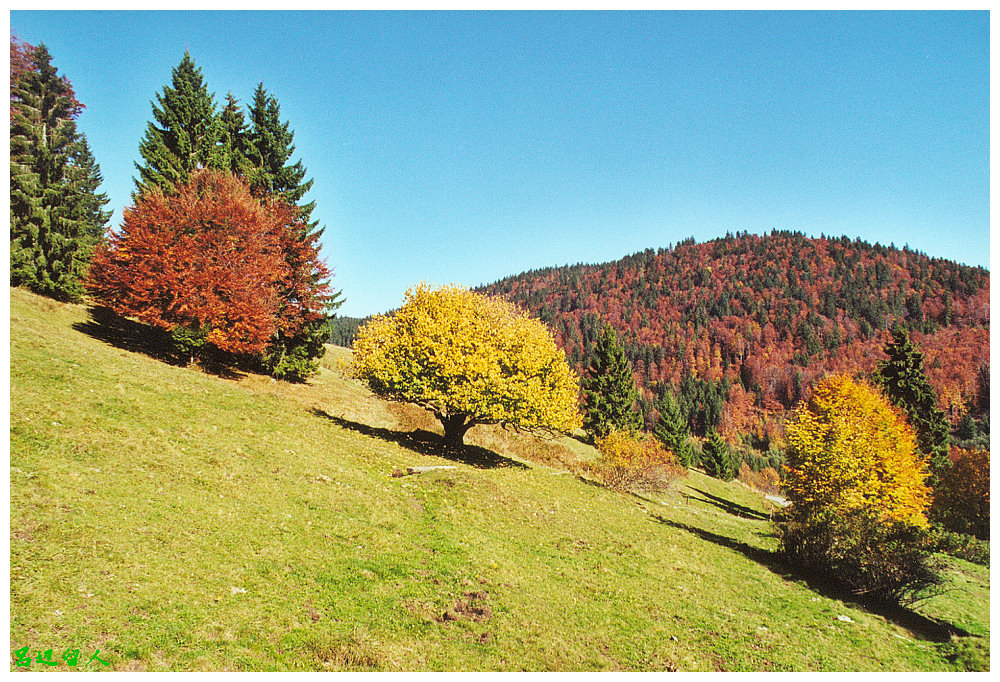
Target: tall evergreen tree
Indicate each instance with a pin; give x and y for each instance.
(269, 149)
(609, 389)
(903, 379)
(672, 429)
(233, 140)
(185, 134)
(56, 214)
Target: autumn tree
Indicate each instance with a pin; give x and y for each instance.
(469, 359)
(609, 389)
(849, 449)
(56, 212)
(185, 132)
(208, 263)
(859, 499)
(962, 502)
(904, 382)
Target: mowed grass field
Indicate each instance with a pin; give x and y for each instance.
(178, 520)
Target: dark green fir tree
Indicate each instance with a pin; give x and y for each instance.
(56, 213)
(904, 382)
(609, 389)
(718, 458)
(184, 135)
(233, 139)
(672, 429)
(268, 149)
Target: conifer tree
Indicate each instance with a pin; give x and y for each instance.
(233, 140)
(56, 214)
(185, 134)
(904, 382)
(609, 389)
(672, 429)
(719, 460)
(269, 149)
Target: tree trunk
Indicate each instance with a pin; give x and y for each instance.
(455, 427)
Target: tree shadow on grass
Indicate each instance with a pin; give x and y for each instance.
(120, 332)
(729, 506)
(920, 625)
(427, 443)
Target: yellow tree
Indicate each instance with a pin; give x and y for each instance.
(850, 451)
(469, 359)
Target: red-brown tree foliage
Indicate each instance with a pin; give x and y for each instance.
(212, 257)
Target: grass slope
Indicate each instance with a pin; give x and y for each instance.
(177, 520)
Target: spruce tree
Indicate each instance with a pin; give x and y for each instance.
(609, 389)
(904, 382)
(718, 459)
(233, 140)
(185, 134)
(56, 214)
(269, 149)
(672, 429)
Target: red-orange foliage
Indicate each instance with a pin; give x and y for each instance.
(212, 257)
(963, 502)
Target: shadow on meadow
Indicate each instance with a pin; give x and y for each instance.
(920, 625)
(120, 332)
(728, 506)
(426, 443)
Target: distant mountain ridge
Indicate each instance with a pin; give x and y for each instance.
(743, 324)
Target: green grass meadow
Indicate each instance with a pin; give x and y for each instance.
(175, 519)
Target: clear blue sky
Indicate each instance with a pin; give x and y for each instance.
(464, 147)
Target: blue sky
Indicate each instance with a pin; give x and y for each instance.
(464, 147)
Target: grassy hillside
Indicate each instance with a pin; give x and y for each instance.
(179, 520)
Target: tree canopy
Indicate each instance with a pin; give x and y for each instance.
(470, 359)
(850, 450)
(56, 213)
(210, 261)
(609, 389)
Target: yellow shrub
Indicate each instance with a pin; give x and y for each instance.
(849, 450)
(636, 464)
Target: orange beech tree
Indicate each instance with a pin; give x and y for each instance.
(212, 264)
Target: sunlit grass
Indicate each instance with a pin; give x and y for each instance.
(176, 520)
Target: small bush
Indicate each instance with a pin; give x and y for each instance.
(767, 480)
(879, 560)
(960, 545)
(636, 464)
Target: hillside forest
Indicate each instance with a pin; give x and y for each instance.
(740, 327)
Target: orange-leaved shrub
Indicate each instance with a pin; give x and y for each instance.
(962, 502)
(636, 463)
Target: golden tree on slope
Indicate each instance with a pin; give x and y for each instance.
(849, 451)
(470, 359)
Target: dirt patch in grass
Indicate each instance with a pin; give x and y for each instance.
(471, 606)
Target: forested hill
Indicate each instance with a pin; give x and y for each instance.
(740, 326)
